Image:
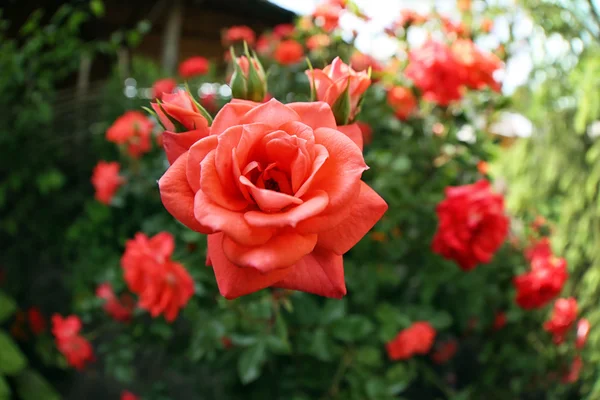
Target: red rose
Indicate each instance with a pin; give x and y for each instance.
(583, 329)
(539, 250)
(472, 225)
(456, 28)
(161, 86)
(265, 44)
(277, 188)
(445, 351)
(572, 375)
(331, 83)
(283, 31)
(564, 315)
(435, 71)
(37, 323)
(125, 395)
(163, 286)
(76, 349)
(327, 16)
(288, 52)
(499, 321)
(134, 130)
(416, 339)
(542, 283)
(106, 180)
(403, 101)
(194, 66)
(477, 67)
(181, 109)
(239, 33)
(120, 311)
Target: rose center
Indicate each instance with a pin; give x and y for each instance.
(271, 184)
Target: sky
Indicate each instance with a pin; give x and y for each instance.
(372, 40)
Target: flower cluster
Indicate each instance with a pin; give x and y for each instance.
(163, 285)
(76, 349)
(415, 340)
(543, 282)
(119, 309)
(133, 129)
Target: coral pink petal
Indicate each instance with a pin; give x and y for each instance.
(353, 132)
(230, 222)
(272, 113)
(178, 197)
(197, 153)
(269, 200)
(234, 281)
(230, 115)
(321, 80)
(211, 185)
(175, 144)
(317, 114)
(281, 251)
(320, 273)
(163, 243)
(311, 207)
(321, 156)
(364, 214)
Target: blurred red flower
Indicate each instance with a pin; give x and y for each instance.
(161, 86)
(361, 62)
(318, 41)
(539, 249)
(572, 375)
(408, 18)
(327, 16)
(132, 129)
(402, 101)
(76, 349)
(499, 320)
(288, 52)
(486, 25)
(478, 67)
(126, 395)
(283, 31)
(239, 33)
(106, 180)
(472, 224)
(163, 286)
(444, 351)
(416, 339)
(583, 329)
(266, 44)
(37, 323)
(119, 310)
(542, 283)
(563, 317)
(194, 66)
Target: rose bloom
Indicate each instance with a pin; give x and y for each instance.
(106, 180)
(563, 317)
(583, 329)
(472, 224)
(435, 71)
(416, 339)
(283, 31)
(403, 101)
(539, 249)
(327, 16)
(163, 286)
(161, 86)
(278, 189)
(288, 52)
(572, 375)
(191, 124)
(76, 349)
(120, 311)
(332, 81)
(265, 44)
(37, 323)
(318, 41)
(542, 283)
(194, 66)
(125, 395)
(134, 130)
(499, 321)
(239, 33)
(445, 351)
(478, 68)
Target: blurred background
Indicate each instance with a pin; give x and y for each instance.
(70, 69)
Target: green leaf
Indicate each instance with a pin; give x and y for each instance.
(4, 389)
(250, 363)
(12, 360)
(352, 328)
(32, 386)
(333, 311)
(7, 306)
(369, 356)
(321, 345)
(97, 7)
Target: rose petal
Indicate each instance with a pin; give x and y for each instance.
(320, 157)
(353, 132)
(197, 153)
(211, 185)
(311, 207)
(178, 197)
(321, 80)
(269, 200)
(320, 273)
(230, 115)
(316, 114)
(234, 281)
(163, 244)
(175, 144)
(230, 222)
(281, 251)
(364, 214)
(272, 113)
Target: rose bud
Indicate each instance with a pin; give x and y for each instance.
(248, 81)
